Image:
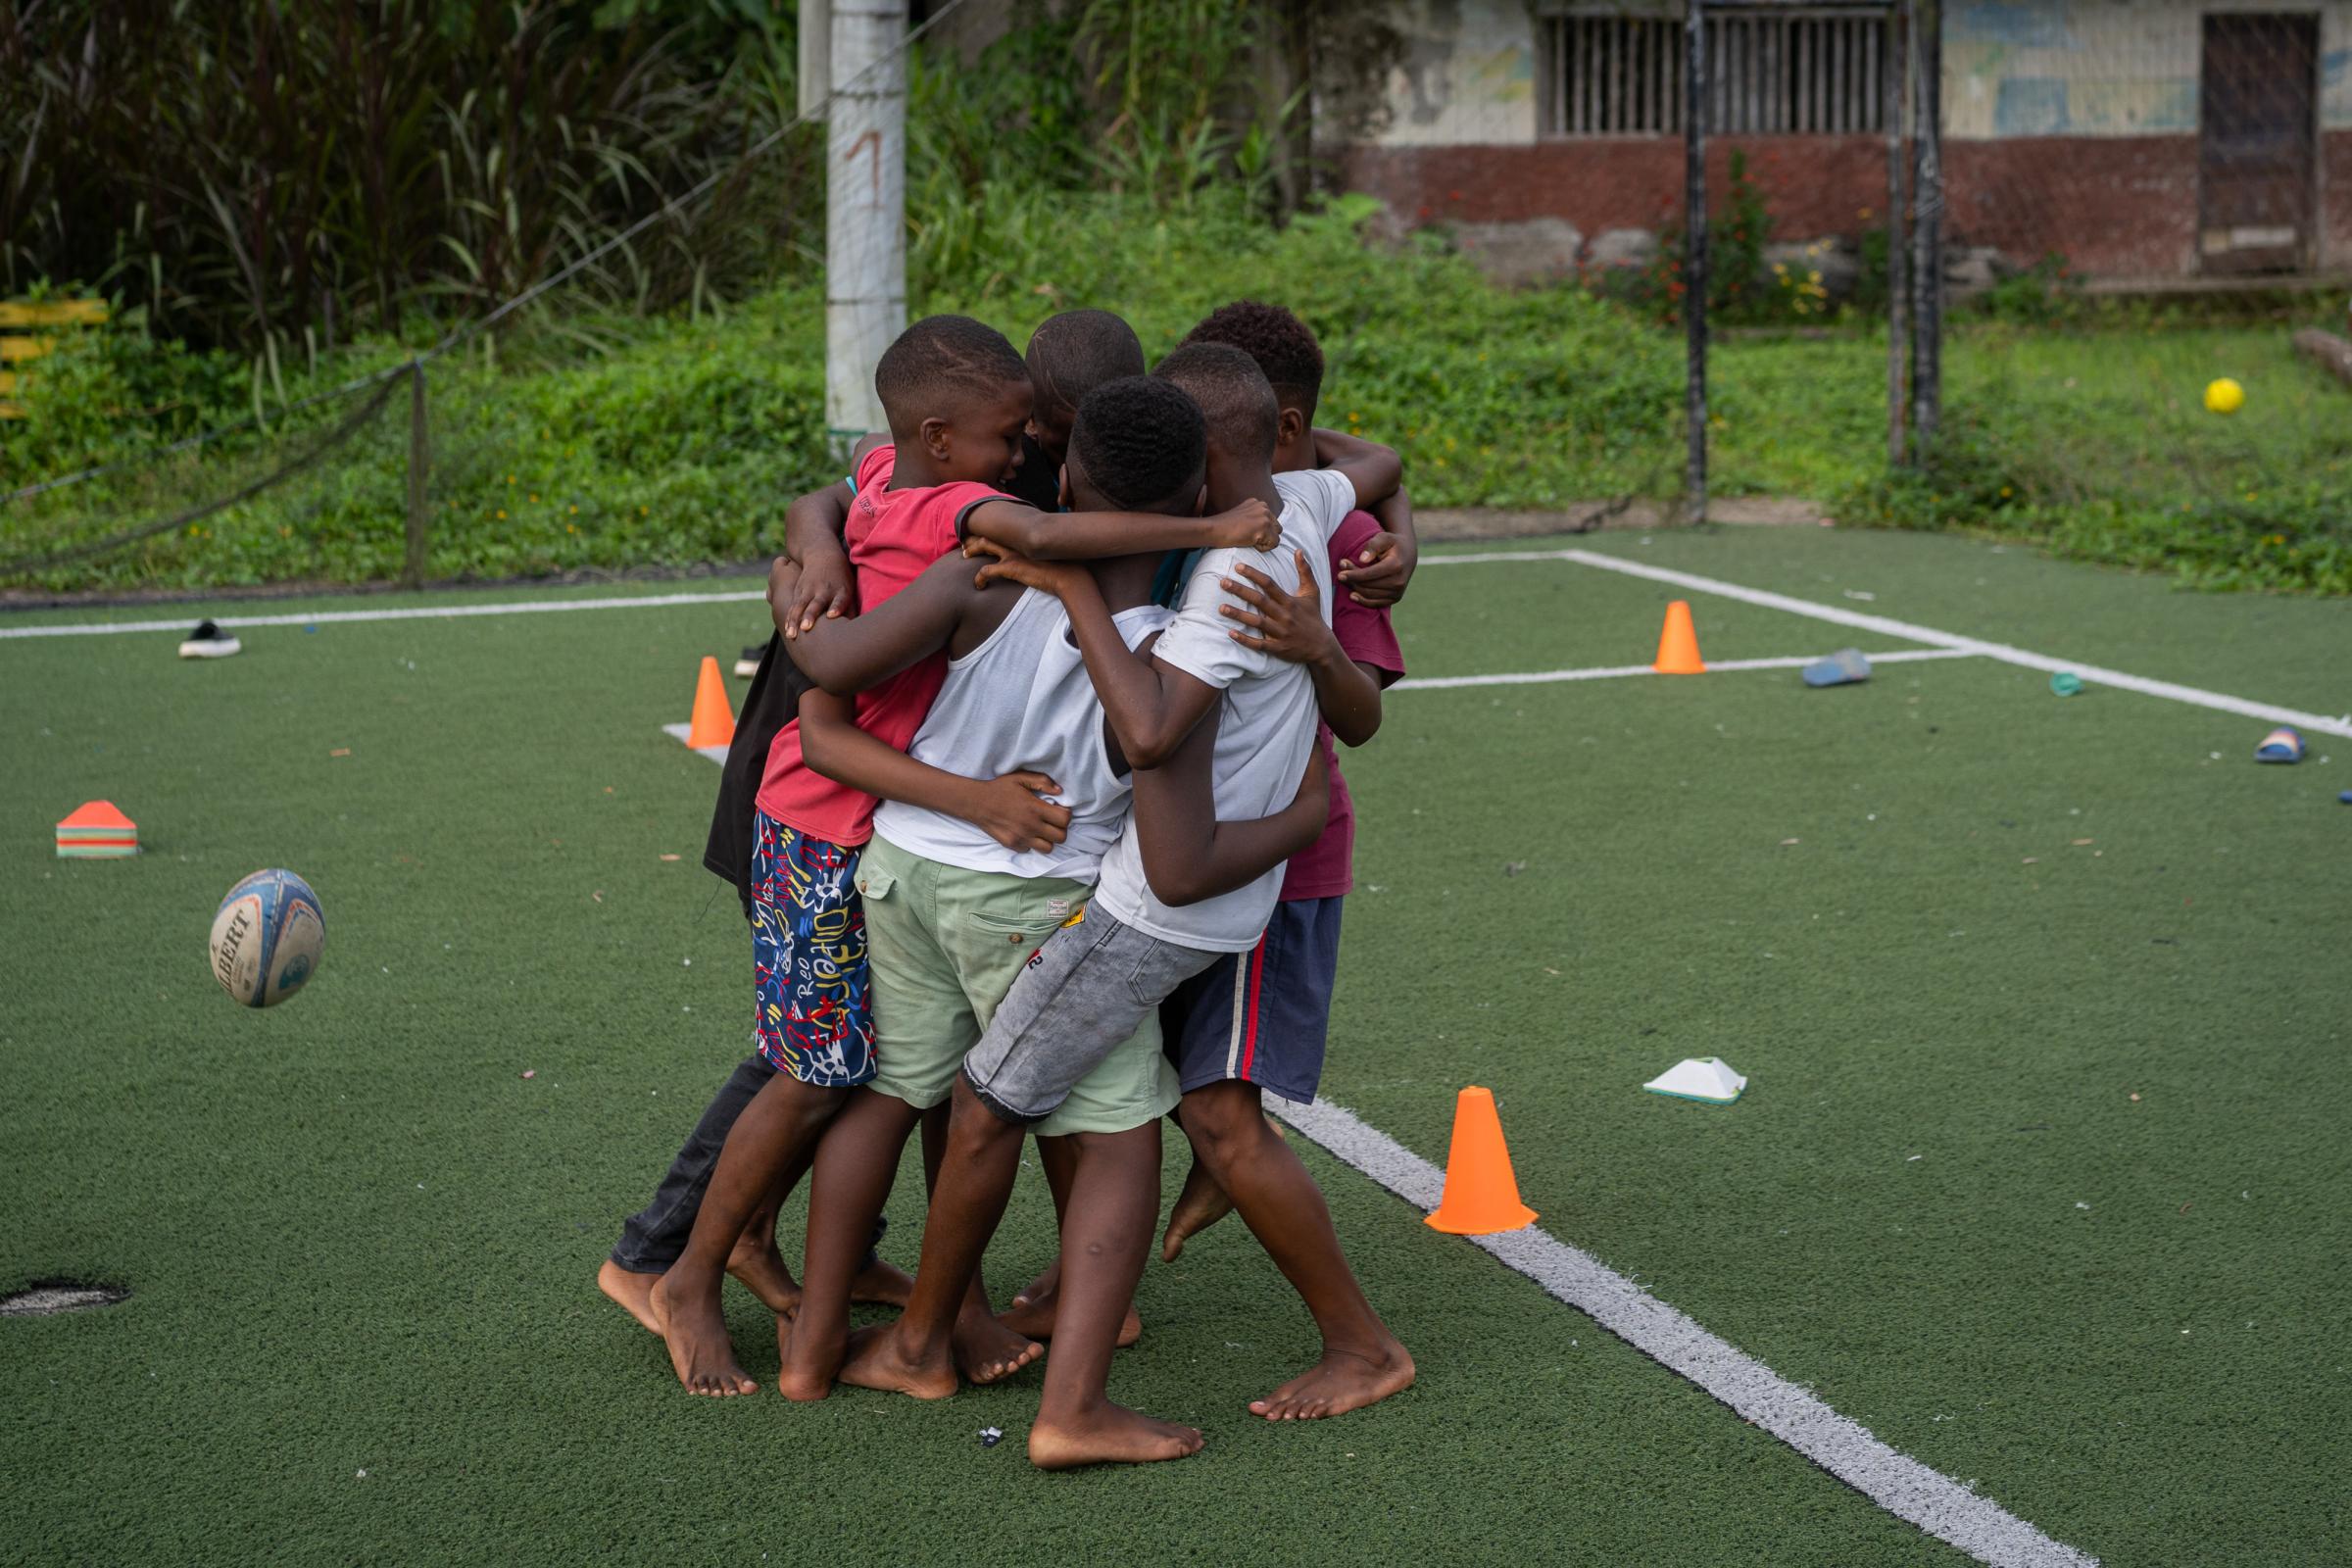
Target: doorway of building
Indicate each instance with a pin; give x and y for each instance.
(2258, 95)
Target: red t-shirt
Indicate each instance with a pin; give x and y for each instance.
(894, 536)
(1326, 869)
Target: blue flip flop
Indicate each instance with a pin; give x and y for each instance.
(2282, 745)
(1841, 668)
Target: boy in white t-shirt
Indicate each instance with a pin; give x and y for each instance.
(1094, 982)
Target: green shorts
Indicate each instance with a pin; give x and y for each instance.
(945, 945)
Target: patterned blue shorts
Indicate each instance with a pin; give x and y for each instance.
(816, 994)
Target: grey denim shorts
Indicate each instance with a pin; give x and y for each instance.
(1093, 983)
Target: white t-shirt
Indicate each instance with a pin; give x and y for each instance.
(1021, 701)
(1266, 723)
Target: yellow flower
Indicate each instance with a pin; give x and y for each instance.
(502, 513)
(575, 512)
(641, 512)
(509, 479)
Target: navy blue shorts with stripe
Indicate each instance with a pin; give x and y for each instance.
(1260, 1017)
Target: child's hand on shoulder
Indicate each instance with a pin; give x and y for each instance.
(1378, 576)
(1004, 564)
(1288, 625)
(1252, 526)
(797, 596)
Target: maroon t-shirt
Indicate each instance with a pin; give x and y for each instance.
(1326, 869)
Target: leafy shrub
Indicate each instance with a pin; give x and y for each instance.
(273, 177)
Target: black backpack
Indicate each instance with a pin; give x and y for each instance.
(773, 702)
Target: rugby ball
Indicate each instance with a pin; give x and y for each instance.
(267, 938)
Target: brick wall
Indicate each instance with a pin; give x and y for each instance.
(1629, 182)
(2115, 206)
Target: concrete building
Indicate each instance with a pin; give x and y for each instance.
(2135, 138)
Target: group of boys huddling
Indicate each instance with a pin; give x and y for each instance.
(1052, 850)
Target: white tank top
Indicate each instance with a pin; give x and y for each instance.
(1022, 702)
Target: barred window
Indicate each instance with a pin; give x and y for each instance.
(1793, 72)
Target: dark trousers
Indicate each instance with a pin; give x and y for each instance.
(654, 1237)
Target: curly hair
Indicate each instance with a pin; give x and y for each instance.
(1280, 344)
(1142, 442)
(1236, 399)
(939, 366)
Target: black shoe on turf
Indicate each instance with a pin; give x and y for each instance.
(209, 641)
(749, 665)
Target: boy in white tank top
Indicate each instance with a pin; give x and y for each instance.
(953, 915)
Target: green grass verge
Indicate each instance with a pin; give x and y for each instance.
(623, 442)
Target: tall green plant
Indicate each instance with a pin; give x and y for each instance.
(1171, 77)
(275, 177)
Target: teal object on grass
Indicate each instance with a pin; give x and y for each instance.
(2282, 745)
(2065, 683)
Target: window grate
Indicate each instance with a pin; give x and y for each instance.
(1801, 74)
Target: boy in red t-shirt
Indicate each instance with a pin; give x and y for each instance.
(958, 398)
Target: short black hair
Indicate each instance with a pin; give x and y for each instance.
(1142, 443)
(937, 364)
(1237, 401)
(1074, 353)
(1282, 345)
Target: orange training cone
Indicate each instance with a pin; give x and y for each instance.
(713, 721)
(1482, 1196)
(1677, 644)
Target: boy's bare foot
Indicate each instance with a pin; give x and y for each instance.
(988, 1350)
(633, 1291)
(1033, 1312)
(882, 1284)
(1342, 1380)
(1200, 1204)
(696, 1332)
(1109, 1434)
(877, 1360)
(809, 1367)
(1043, 1286)
(759, 1268)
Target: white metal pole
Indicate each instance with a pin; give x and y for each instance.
(866, 203)
(816, 56)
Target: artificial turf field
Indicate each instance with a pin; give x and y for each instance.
(2040, 1176)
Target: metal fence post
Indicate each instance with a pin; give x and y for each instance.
(420, 460)
(1927, 200)
(1891, 96)
(1694, 259)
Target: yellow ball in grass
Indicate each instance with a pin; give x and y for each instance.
(2225, 396)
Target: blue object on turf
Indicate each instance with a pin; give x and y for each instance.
(1843, 668)
(2282, 745)
(2065, 683)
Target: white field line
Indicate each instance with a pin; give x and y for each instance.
(1845, 1449)
(1613, 672)
(517, 606)
(1884, 626)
